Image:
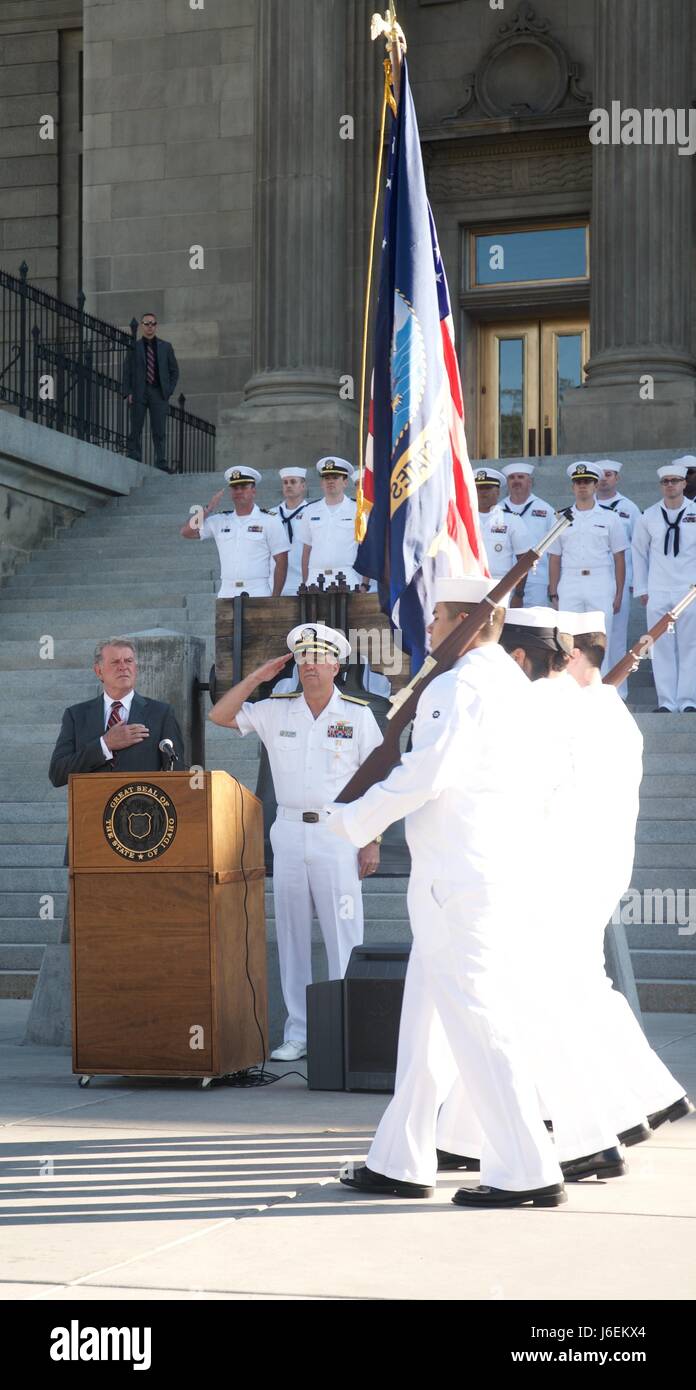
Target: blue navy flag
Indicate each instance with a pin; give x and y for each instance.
(418, 487)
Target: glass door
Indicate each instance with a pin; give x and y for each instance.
(525, 370)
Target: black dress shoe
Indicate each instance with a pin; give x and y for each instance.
(451, 1163)
(636, 1135)
(608, 1163)
(553, 1196)
(689, 709)
(671, 1112)
(662, 709)
(364, 1180)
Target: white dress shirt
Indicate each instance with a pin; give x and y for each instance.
(246, 545)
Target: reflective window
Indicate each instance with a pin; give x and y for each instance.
(511, 397)
(552, 253)
(568, 365)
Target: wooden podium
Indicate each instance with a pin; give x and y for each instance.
(167, 925)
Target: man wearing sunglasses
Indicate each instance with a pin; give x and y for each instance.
(150, 375)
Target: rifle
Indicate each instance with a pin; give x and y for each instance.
(638, 652)
(382, 759)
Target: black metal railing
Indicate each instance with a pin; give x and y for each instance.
(65, 369)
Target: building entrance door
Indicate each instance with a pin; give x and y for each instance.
(525, 368)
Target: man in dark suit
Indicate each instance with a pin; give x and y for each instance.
(118, 731)
(150, 375)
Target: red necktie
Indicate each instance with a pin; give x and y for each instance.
(115, 715)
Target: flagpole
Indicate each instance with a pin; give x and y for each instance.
(396, 47)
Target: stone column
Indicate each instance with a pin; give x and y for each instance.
(641, 243)
(292, 409)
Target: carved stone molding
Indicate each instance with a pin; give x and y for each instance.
(462, 172)
(525, 74)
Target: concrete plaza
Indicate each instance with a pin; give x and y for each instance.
(134, 1190)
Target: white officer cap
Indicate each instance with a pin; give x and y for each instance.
(583, 469)
(467, 588)
(488, 477)
(292, 472)
(576, 624)
(614, 464)
(672, 470)
(332, 467)
(316, 639)
(518, 468)
(239, 475)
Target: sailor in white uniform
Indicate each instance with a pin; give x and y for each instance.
(664, 566)
(252, 545)
(327, 528)
(316, 739)
(504, 534)
(538, 517)
(628, 512)
(289, 510)
(464, 799)
(587, 563)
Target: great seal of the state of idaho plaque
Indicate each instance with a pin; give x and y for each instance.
(139, 822)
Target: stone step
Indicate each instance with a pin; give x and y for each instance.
(670, 761)
(42, 571)
(20, 956)
(662, 937)
(667, 856)
(665, 832)
(48, 683)
(130, 597)
(20, 719)
(28, 904)
(664, 965)
(87, 622)
(18, 813)
(25, 834)
(31, 789)
(671, 732)
(655, 785)
(17, 984)
(667, 996)
(76, 654)
(31, 855)
(661, 878)
(28, 931)
(40, 880)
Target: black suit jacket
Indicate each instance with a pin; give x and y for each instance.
(135, 370)
(79, 749)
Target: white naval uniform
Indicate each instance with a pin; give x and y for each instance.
(666, 579)
(331, 533)
(290, 519)
(247, 545)
(628, 513)
(462, 796)
(588, 576)
(311, 761)
(504, 537)
(538, 517)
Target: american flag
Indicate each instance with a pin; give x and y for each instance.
(418, 486)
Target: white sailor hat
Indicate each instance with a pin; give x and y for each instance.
(537, 627)
(689, 461)
(582, 470)
(488, 477)
(321, 642)
(467, 588)
(614, 465)
(239, 475)
(577, 624)
(517, 468)
(673, 470)
(292, 472)
(332, 467)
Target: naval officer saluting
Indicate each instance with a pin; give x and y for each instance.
(316, 739)
(250, 541)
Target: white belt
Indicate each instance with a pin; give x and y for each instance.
(309, 817)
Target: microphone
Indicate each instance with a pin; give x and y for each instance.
(168, 751)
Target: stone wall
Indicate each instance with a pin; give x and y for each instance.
(169, 117)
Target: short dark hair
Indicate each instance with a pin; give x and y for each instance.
(543, 660)
(149, 314)
(593, 645)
